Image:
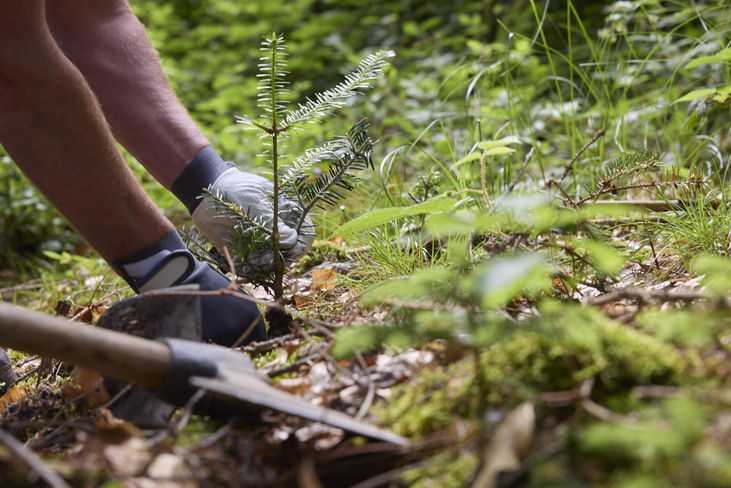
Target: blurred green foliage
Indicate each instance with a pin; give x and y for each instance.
(652, 74)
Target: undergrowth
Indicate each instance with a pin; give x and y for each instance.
(550, 219)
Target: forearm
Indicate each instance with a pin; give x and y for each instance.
(110, 47)
(52, 127)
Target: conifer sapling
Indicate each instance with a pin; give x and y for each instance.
(319, 177)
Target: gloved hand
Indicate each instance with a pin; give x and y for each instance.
(254, 195)
(224, 318)
(7, 376)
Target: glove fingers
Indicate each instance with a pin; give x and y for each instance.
(287, 236)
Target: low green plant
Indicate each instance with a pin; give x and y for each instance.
(317, 178)
(28, 224)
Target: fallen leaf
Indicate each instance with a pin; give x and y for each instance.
(339, 240)
(115, 444)
(324, 436)
(107, 422)
(508, 446)
(303, 299)
(295, 386)
(169, 466)
(323, 279)
(14, 394)
(87, 387)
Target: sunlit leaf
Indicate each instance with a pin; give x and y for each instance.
(502, 279)
(604, 258)
(385, 215)
(721, 91)
(717, 271)
(498, 151)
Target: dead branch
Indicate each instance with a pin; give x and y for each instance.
(570, 165)
(34, 462)
(646, 296)
(521, 171)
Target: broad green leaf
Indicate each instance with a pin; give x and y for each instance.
(461, 222)
(717, 271)
(385, 215)
(704, 92)
(604, 258)
(470, 157)
(427, 284)
(721, 57)
(505, 141)
(498, 151)
(500, 280)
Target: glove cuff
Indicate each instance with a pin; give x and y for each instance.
(198, 174)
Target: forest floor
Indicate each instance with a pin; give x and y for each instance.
(69, 435)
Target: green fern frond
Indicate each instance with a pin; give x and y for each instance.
(324, 103)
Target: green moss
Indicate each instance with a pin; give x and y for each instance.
(431, 401)
(445, 470)
(555, 351)
(320, 252)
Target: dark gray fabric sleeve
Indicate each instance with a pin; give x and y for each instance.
(200, 173)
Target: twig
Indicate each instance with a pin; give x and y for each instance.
(231, 267)
(292, 366)
(555, 183)
(248, 331)
(647, 296)
(652, 247)
(657, 205)
(92, 305)
(270, 345)
(9, 292)
(185, 416)
(29, 374)
(520, 172)
(368, 400)
(655, 391)
(213, 438)
(609, 188)
(34, 462)
(119, 395)
(603, 413)
(570, 166)
(385, 479)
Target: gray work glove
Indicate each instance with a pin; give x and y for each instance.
(254, 195)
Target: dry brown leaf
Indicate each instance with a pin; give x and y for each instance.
(167, 470)
(13, 395)
(295, 386)
(115, 443)
(508, 446)
(303, 299)
(107, 422)
(323, 279)
(87, 386)
(338, 240)
(323, 436)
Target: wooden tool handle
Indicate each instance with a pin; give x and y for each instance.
(121, 356)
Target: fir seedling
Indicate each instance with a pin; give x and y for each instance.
(319, 177)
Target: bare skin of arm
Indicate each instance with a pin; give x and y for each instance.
(109, 46)
(53, 128)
